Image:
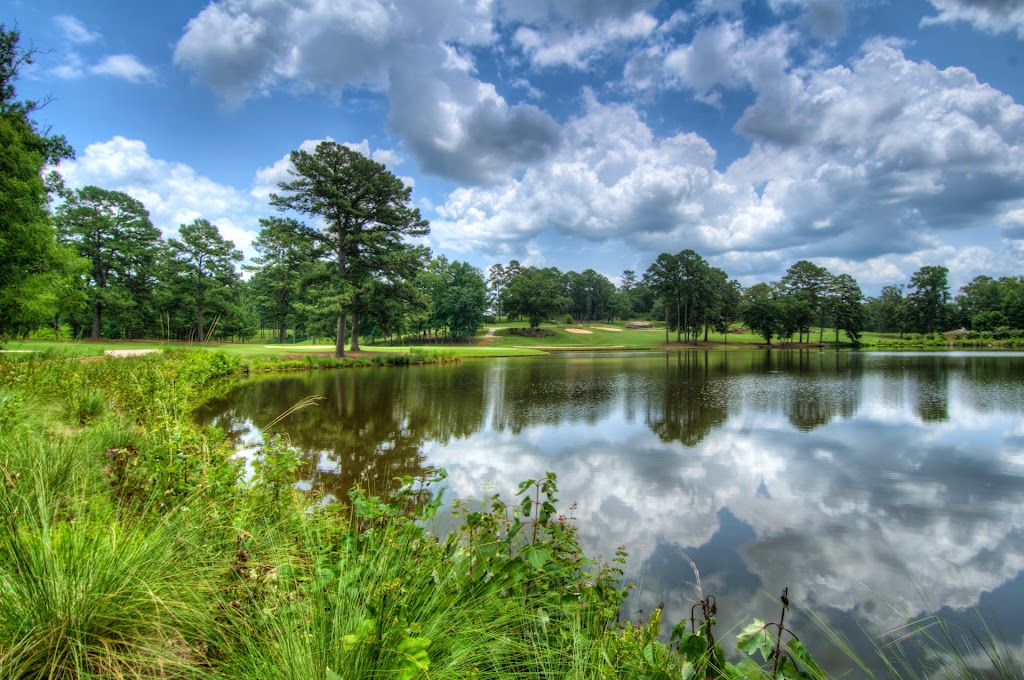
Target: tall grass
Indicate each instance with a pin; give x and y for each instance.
(96, 597)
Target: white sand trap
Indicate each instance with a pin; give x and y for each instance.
(579, 331)
(129, 352)
(607, 328)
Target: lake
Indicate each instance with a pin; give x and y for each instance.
(876, 486)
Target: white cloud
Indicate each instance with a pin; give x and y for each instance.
(75, 31)
(611, 178)
(866, 163)
(174, 193)
(576, 48)
(456, 125)
(585, 13)
(991, 16)
(886, 149)
(719, 57)
(124, 66)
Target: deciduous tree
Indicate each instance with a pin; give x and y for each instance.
(35, 270)
(536, 294)
(928, 298)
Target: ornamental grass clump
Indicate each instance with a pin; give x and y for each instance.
(94, 596)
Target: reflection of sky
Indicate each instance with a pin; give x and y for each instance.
(868, 484)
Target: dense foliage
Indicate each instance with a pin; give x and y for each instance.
(36, 272)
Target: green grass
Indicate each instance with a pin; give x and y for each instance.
(502, 344)
(599, 337)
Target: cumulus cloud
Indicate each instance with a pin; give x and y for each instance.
(991, 16)
(861, 162)
(612, 178)
(584, 13)
(174, 193)
(720, 56)
(885, 149)
(74, 65)
(456, 125)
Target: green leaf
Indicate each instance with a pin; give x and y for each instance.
(523, 486)
(756, 638)
(801, 654)
(526, 506)
(692, 647)
(746, 669)
(414, 645)
(537, 557)
(415, 659)
(324, 576)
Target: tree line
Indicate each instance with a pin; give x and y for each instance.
(688, 294)
(91, 260)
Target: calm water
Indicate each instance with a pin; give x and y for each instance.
(869, 484)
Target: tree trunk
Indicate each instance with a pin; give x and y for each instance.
(339, 344)
(282, 333)
(686, 317)
(200, 322)
(355, 332)
(679, 322)
(97, 321)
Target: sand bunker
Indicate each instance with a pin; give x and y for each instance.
(129, 352)
(607, 328)
(580, 331)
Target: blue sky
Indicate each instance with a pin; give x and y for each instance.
(869, 136)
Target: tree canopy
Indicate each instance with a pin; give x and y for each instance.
(36, 272)
(113, 232)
